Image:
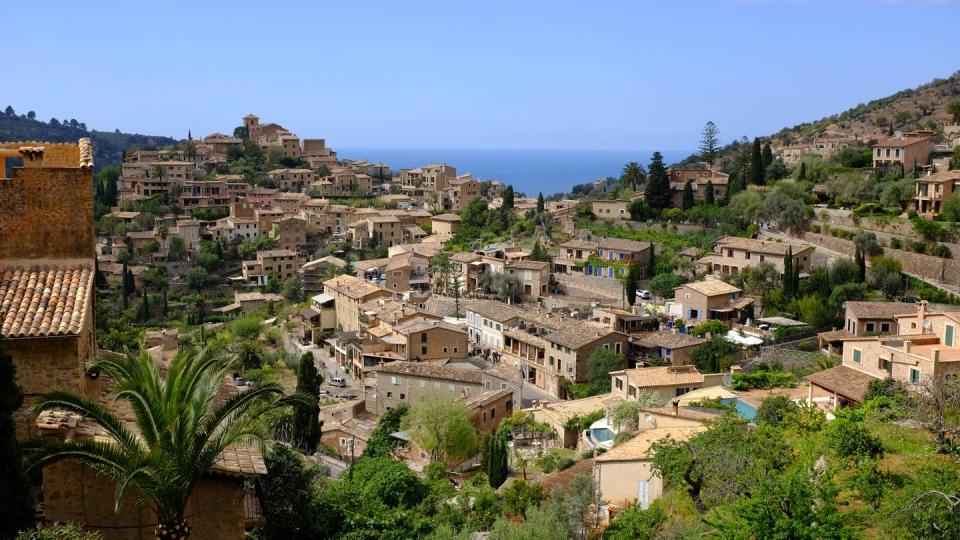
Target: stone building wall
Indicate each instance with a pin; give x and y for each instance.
(76, 493)
(47, 214)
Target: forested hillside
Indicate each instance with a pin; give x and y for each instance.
(108, 147)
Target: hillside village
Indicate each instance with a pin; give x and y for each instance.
(700, 349)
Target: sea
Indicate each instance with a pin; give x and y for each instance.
(529, 171)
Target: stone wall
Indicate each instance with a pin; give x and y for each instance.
(47, 214)
(45, 364)
(885, 230)
(75, 493)
(924, 266)
(593, 286)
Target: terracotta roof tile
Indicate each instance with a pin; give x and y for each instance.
(44, 300)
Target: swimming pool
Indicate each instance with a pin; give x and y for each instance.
(745, 410)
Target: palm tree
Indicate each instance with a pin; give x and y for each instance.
(181, 430)
(248, 353)
(633, 174)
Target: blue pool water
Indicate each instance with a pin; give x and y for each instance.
(745, 410)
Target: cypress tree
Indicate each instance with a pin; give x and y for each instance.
(497, 468)
(145, 306)
(124, 290)
(16, 504)
(540, 204)
(788, 290)
(861, 261)
(802, 175)
(688, 201)
(306, 426)
(767, 155)
(756, 163)
(658, 183)
(508, 203)
(708, 194)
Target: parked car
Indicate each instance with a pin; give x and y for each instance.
(644, 294)
(240, 381)
(338, 382)
(764, 326)
(323, 392)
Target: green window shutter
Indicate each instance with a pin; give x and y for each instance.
(856, 356)
(948, 337)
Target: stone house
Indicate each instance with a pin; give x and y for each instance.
(348, 293)
(925, 345)
(459, 192)
(377, 230)
(313, 273)
(424, 338)
(292, 179)
(534, 277)
(874, 318)
(624, 475)
(489, 408)
(281, 263)
(699, 178)
(445, 225)
(290, 202)
(733, 254)
(666, 381)
(414, 382)
(320, 319)
(433, 177)
(904, 150)
(46, 267)
(290, 232)
(611, 209)
(406, 272)
(668, 346)
(710, 300)
(932, 190)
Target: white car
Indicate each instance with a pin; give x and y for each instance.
(338, 382)
(644, 294)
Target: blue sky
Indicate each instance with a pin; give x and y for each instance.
(455, 74)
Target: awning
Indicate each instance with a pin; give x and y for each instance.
(735, 337)
(321, 298)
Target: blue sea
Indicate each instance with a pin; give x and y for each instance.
(529, 171)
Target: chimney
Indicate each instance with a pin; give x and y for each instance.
(676, 407)
(936, 356)
(906, 346)
(922, 313)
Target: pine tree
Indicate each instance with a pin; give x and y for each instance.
(658, 183)
(802, 175)
(306, 427)
(688, 200)
(708, 197)
(767, 155)
(756, 163)
(709, 142)
(541, 206)
(788, 291)
(16, 504)
(538, 253)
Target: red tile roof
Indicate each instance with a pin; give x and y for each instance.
(44, 300)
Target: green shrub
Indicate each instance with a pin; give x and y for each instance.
(852, 440)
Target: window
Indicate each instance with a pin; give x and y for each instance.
(444, 350)
(897, 152)
(914, 375)
(887, 152)
(869, 327)
(423, 384)
(617, 347)
(451, 387)
(423, 350)
(503, 386)
(389, 394)
(606, 346)
(748, 255)
(403, 396)
(423, 337)
(884, 327)
(619, 384)
(948, 336)
(456, 349)
(394, 379)
(436, 386)
(493, 413)
(857, 356)
(343, 441)
(761, 258)
(486, 385)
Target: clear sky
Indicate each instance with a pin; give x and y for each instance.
(455, 74)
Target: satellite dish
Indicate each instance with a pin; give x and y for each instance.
(927, 324)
